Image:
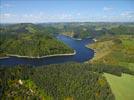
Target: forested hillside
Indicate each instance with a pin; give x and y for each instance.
(92, 29)
(30, 40)
(71, 81)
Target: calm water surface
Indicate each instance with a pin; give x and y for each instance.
(82, 54)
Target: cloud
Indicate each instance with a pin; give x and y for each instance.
(6, 5)
(64, 16)
(6, 15)
(112, 18)
(126, 16)
(43, 17)
(30, 17)
(104, 16)
(129, 14)
(107, 8)
(78, 14)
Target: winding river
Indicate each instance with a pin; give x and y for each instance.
(82, 54)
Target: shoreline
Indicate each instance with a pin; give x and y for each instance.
(93, 55)
(4, 57)
(78, 39)
(54, 55)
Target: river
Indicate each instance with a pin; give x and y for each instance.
(82, 54)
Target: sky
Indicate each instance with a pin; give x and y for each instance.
(40, 11)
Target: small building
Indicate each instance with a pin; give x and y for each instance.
(20, 82)
(95, 40)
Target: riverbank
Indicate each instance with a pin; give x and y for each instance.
(101, 49)
(80, 55)
(4, 57)
(54, 55)
(79, 39)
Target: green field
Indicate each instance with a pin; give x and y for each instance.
(117, 51)
(122, 87)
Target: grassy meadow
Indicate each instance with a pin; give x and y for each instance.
(122, 87)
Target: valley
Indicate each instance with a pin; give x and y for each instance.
(82, 75)
(66, 49)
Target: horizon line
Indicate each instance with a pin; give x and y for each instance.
(68, 22)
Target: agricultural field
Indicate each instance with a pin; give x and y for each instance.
(122, 87)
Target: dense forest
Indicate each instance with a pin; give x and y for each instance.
(30, 40)
(70, 81)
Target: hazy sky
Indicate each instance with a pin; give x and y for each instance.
(15, 11)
